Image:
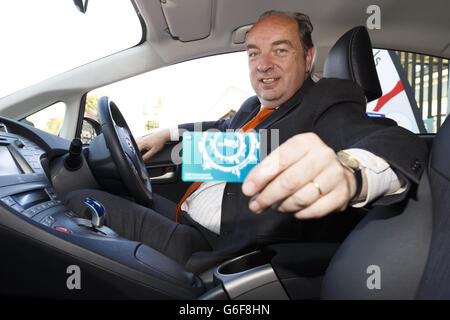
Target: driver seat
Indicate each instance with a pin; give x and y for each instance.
(301, 274)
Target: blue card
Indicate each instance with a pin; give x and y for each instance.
(219, 156)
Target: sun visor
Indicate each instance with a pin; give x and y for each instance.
(188, 20)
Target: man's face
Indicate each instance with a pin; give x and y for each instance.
(276, 60)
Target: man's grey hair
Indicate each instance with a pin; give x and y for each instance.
(305, 26)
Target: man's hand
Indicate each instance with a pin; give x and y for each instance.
(301, 176)
(153, 143)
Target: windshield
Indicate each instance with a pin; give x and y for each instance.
(42, 38)
(208, 95)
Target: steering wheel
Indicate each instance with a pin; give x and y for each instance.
(124, 152)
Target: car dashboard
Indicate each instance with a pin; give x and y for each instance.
(24, 186)
(40, 237)
(42, 240)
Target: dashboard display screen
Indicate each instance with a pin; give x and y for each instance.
(7, 164)
(30, 198)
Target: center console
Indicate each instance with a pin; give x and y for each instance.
(25, 188)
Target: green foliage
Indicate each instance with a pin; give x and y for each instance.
(52, 126)
(151, 124)
(91, 102)
(91, 106)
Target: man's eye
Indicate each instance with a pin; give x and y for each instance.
(281, 51)
(252, 54)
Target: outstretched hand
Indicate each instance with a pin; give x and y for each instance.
(302, 176)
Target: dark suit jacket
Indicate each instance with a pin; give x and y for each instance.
(334, 109)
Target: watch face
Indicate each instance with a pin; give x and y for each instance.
(348, 160)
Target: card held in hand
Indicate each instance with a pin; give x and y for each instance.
(219, 156)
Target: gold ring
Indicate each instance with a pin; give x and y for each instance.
(315, 184)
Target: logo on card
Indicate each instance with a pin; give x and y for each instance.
(228, 152)
(220, 156)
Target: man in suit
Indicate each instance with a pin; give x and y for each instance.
(303, 176)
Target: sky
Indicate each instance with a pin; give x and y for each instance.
(40, 39)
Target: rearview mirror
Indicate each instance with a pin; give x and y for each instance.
(81, 5)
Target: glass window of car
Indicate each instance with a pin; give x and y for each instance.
(43, 38)
(48, 119)
(203, 89)
(198, 90)
(415, 90)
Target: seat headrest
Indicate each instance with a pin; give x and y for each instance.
(440, 152)
(351, 58)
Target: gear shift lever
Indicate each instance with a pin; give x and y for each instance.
(97, 212)
(98, 215)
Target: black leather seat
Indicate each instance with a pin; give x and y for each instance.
(301, 274)
(351, 58)
(400, 251)
(409, 245)
(435, 282)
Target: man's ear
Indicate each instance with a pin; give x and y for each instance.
(310, 59)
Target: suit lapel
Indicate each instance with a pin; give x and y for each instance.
(246, 113)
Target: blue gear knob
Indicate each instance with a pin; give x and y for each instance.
(97, 212)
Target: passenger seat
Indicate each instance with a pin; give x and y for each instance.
(400, 252)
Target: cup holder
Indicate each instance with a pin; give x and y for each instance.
(243, 263)
(249, 276)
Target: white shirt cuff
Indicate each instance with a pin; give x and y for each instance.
(381, 179)
(174, 134)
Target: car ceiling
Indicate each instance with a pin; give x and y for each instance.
(179, 30)
(209, 25)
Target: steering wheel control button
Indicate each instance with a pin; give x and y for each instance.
(62, 229)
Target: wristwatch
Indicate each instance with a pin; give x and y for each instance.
(351, 164)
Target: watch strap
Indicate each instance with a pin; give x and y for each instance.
(358, 178)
